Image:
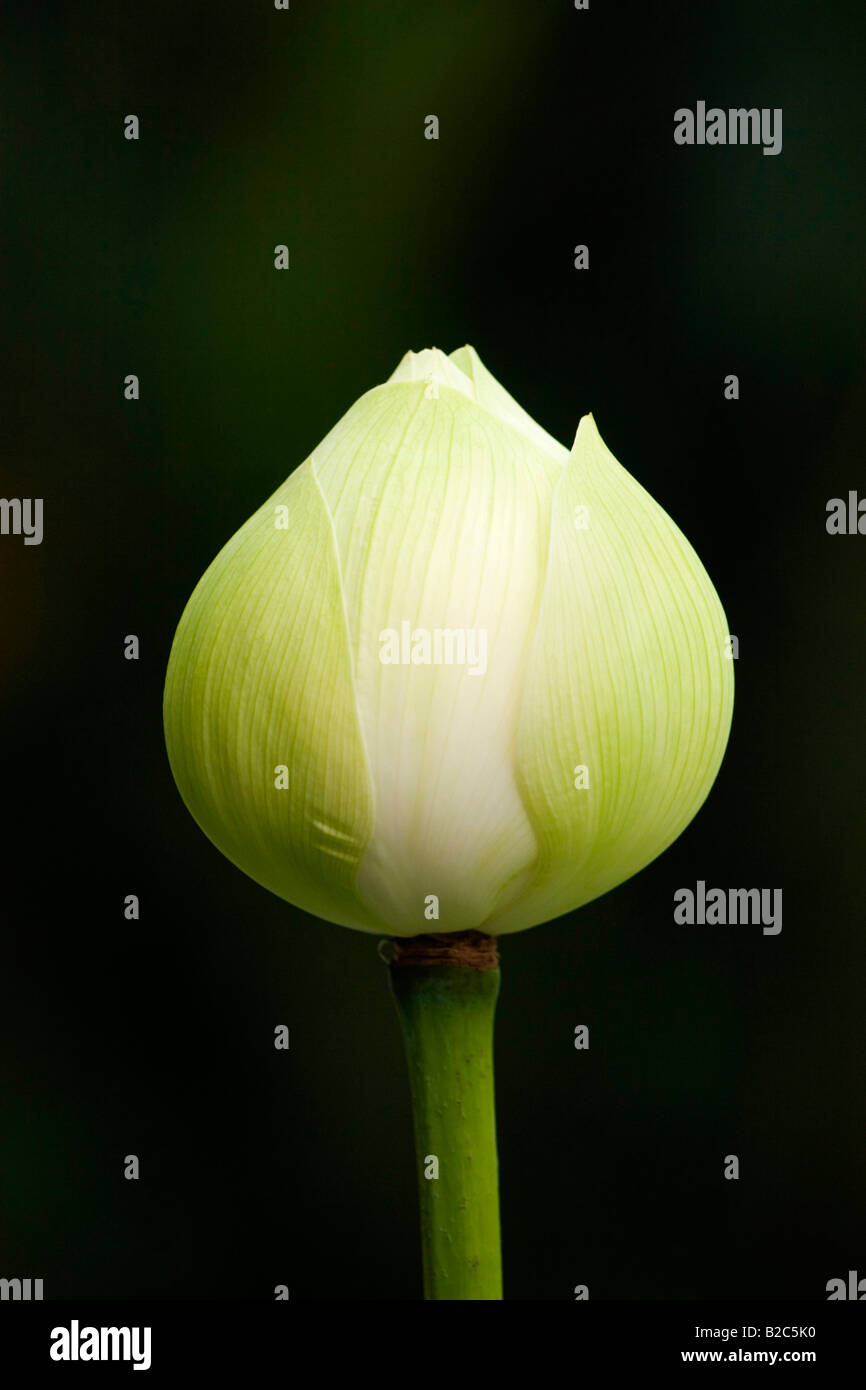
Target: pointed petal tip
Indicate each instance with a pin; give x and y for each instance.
(587, 431)
(432, 364)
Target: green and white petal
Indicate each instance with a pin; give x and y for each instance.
(441, 510)
(260, 677)
(627, 677)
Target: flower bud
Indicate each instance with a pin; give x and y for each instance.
(450, 676)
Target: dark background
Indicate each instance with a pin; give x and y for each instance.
(156, 1038)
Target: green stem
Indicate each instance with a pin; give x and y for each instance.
(446, 1011)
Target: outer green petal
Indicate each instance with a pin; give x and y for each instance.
(260, 675)
(628, 677)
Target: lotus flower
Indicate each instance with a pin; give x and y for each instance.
(448, 682)
(449, 673)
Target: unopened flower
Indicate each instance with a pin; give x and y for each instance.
(450, 676)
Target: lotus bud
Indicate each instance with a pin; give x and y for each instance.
(451, 676)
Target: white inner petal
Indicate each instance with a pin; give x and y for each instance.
(441, 514)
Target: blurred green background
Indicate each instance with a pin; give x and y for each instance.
(305, 127)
